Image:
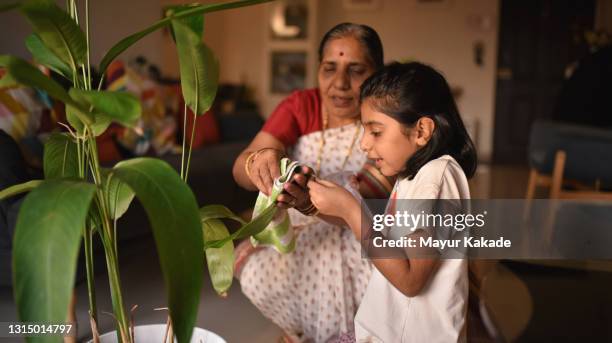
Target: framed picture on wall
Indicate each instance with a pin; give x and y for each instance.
(289, 20)
(288, 71)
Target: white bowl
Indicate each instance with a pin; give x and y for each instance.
(155, 333)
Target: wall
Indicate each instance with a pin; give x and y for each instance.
(235, 36)
(240, 39)
(19, 29)
(113, 20)
(110, 21)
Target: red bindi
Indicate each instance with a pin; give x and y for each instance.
(341, 54)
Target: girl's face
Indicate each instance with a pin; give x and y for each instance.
(343, 69)
(388, 142)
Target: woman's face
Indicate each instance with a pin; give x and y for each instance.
(343, 69)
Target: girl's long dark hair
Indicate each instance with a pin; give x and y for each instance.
(410, 91)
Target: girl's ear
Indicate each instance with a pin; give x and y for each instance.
(425, 128)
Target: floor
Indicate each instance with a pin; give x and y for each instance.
(570, 302)
(237, 320)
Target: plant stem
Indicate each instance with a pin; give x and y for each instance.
(79, 157)
(117, 298)
(107, 232)
(89, 263)
(91, 289)
(101, 82)
(190, 145)
(184, 139)
(87, 41)
(75, 14)
(109, 248)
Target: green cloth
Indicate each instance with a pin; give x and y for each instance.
(279, 233)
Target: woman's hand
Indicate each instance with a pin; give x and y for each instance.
(264, 168)
(296, 193)
(331, 199)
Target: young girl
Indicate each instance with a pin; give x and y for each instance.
(413, 130)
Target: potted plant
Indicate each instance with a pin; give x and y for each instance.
(79, 199)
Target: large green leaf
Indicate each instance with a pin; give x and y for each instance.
(128, 41)
(21, 72)
(60, 157)
(46, 57)
(57, 30)
(73, 119)
(121, 107)
(218, 212)
(253, 227)
(220, 260)
(45, 250)
(195, 22)
(256, 225)
(118, 195)
(20, 188)
(173, 214)
(198, 67)
(99, 123)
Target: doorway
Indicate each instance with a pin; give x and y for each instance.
(538, 40)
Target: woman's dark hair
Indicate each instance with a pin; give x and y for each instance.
(364, 34)
(410, 91)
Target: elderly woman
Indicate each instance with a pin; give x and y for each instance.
(313, 292)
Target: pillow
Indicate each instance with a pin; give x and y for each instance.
(156, 130)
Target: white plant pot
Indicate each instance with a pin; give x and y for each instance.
(155, 333)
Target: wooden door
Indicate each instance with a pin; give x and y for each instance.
(538, 39)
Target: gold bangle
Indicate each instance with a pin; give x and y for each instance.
(313, 212)
(307, 209)
(268, 148)
(249, 160)
(252, 156)
(310, 210)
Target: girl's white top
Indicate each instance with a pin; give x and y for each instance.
(438, 312)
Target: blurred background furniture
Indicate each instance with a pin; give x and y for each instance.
(13, 170)
(571, 160)
(505, 304)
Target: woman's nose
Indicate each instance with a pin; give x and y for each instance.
(342, 81)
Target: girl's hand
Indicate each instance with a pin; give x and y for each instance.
(331, 199)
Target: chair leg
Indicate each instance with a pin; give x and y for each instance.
(531, 185)
(557, 179)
